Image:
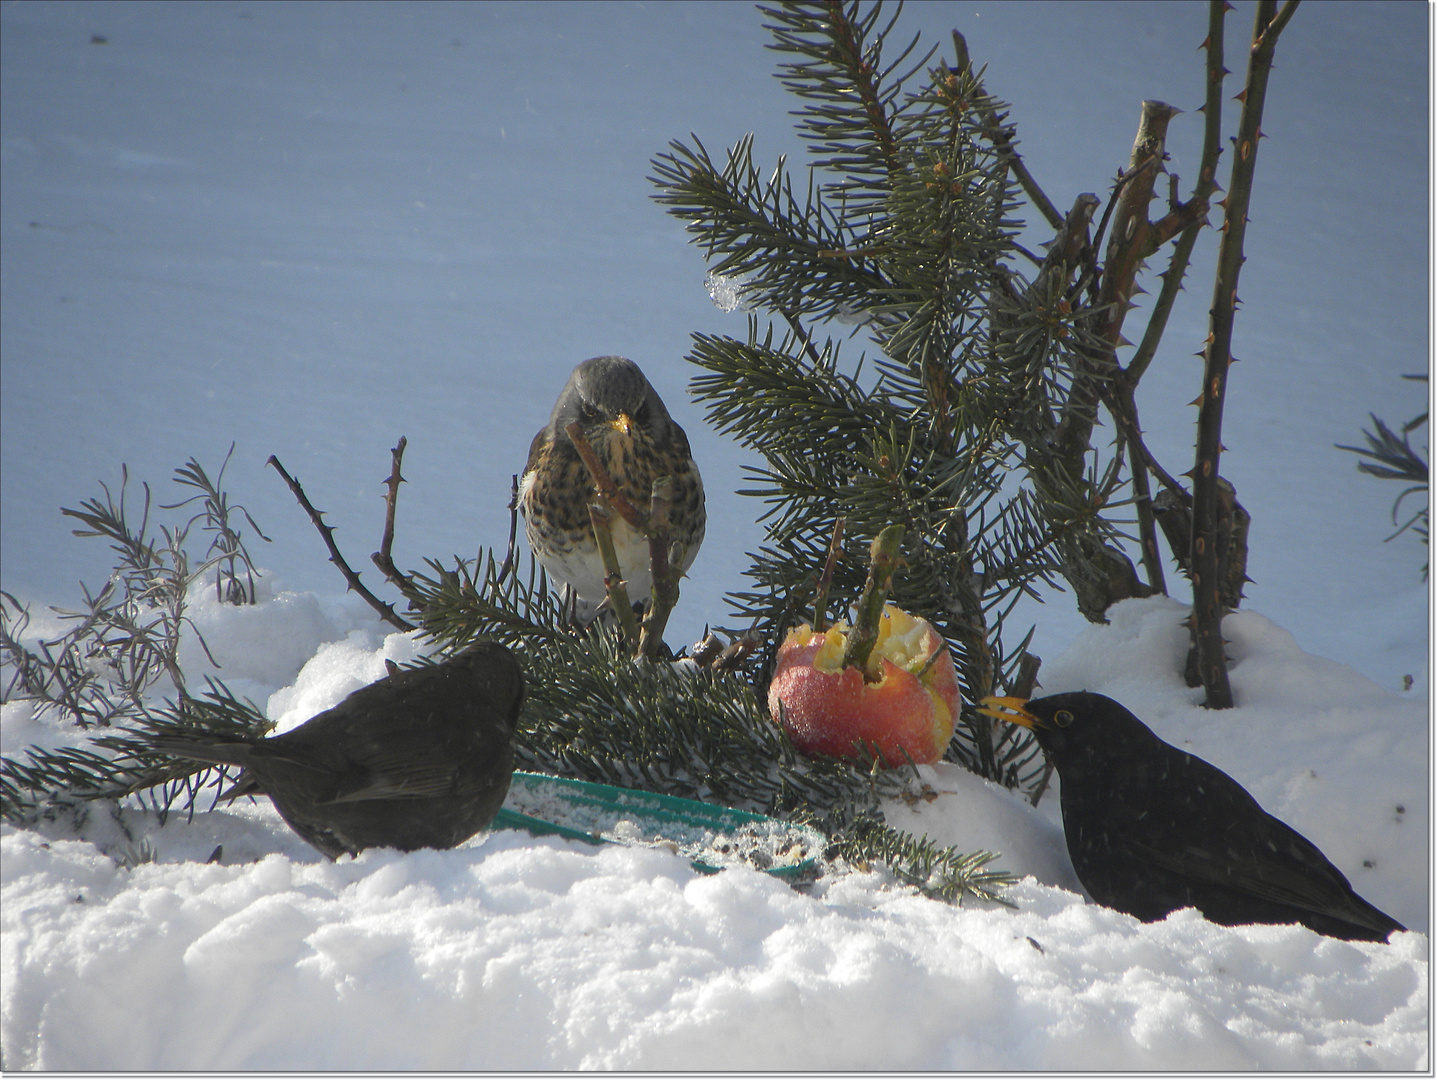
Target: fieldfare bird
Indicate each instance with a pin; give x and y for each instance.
(632, 434)
(1151, 828)
(421, 758)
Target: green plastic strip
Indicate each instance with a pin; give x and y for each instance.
(655, 815)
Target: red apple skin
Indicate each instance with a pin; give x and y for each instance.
(828, 712)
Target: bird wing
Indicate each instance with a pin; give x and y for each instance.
(535, 445)
(401, 754)
(402, 780)
(1264, 858)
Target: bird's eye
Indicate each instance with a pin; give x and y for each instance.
(1062, 718)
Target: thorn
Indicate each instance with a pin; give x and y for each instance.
(1241, 96)
(1198, 402)
(1122, 341)
(1226, 7)
(1138, 289)
(1206, 42)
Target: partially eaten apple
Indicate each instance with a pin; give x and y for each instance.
(902, 705)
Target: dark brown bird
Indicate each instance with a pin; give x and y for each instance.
(624, 420)
(1151, 828)
(421, 758)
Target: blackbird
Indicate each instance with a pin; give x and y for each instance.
(421, 758)
(1151, 828)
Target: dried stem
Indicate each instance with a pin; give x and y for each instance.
(1002, 139)
(825, 581)
(383, 558)
(510, 551)
(386, 611)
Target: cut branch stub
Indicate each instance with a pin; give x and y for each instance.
(883, 560)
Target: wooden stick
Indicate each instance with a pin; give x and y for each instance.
(607, 488)
(664, 568)
(613, 582)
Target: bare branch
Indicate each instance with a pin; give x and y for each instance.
(326, 532)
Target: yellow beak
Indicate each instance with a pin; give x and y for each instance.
(622, 423)
(1008, 709)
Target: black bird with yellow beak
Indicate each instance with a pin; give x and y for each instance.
(625, 421)
(1151, 828)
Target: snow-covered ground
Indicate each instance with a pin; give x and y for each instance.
(514, 952)
(311, 229)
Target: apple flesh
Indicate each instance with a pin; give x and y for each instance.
(904, 710)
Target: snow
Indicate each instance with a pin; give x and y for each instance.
(310, 229)
(516, 952)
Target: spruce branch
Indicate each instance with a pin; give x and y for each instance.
(124, 762)
(852, 100)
